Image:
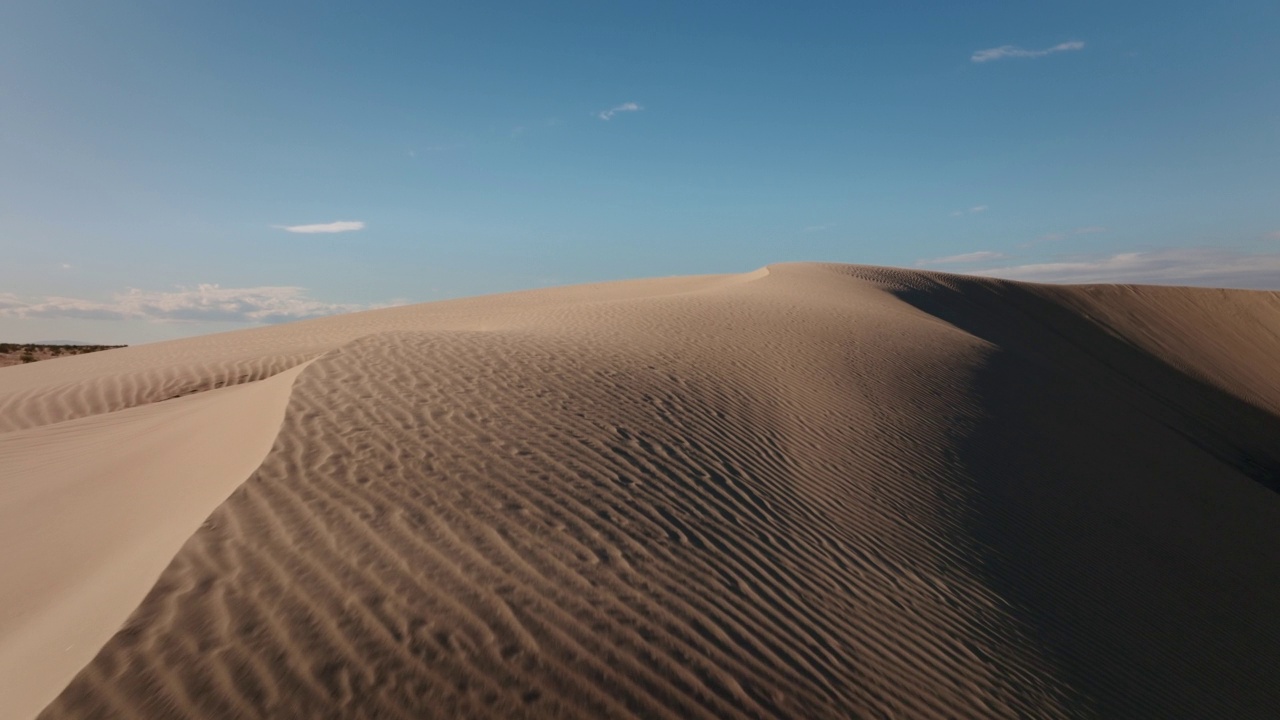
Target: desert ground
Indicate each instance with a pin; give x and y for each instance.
(809, 491)
(22, 353)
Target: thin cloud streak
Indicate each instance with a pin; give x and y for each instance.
(339, 226)
(1211, 267)
(1012, 51)
(203, 303)
(973, 257)
(623, 108)
(971, 211)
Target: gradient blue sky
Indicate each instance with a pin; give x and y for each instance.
(152, 150)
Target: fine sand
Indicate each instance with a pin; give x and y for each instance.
(809, 491)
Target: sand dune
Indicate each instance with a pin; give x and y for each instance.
(91, 511)
(809, 491)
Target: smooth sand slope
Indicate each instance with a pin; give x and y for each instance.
(91, 511)
(809, 491)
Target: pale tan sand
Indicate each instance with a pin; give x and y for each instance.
(91, 511)
(810, 491)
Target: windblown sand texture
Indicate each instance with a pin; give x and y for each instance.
(812, 491)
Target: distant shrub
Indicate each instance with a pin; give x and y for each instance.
(30, 352)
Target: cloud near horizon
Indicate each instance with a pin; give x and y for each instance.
(339, 226)
(1012, 51)
(203, 303)
(1212, 267)
(624, 107)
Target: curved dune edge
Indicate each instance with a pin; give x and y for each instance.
(92, 510)
(70, 388)
(808, 491)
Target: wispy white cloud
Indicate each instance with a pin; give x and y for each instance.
(203, 303)
(339, 226)
(973, 257)
(65, 266)
(1089, 230)
(623, 108)
(1011, 51)
(971, 211)
(1211, 267)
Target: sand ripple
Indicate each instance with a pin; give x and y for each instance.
(820, 491)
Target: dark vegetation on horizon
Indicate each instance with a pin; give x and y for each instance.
(21, 353)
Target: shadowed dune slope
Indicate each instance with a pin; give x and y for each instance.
(812, 491)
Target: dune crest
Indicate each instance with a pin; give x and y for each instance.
(810, 491)
(92, 510)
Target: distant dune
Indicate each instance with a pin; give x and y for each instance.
(811, 491)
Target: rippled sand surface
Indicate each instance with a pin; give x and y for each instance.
(809, 491)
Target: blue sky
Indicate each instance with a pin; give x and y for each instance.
(154, 155)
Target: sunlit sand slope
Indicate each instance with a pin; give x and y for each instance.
(816, 491)
(92, 510)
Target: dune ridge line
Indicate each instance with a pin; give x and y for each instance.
(92, 510)
(809, 491)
